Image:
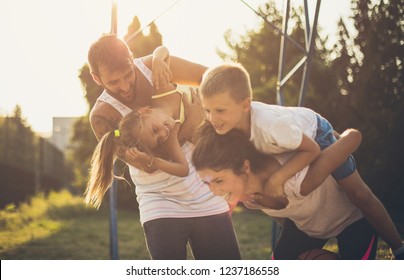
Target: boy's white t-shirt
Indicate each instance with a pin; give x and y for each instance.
(277, 129)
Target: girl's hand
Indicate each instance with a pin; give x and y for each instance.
(161, 73)
(138, 157)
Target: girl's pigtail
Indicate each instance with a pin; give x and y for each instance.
(101, 169)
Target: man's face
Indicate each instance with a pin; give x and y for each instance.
(120, 84)
(223, 112)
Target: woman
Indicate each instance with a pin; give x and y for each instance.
(314, 209)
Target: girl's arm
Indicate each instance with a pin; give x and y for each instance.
(176, 164)
(305, 154)
(330, 159)
(161, 73)
(173, 69)
(186, 72)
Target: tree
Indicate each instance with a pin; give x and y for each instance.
(258, 51)
(378, 97)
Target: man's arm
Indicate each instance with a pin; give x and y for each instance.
(104, 123)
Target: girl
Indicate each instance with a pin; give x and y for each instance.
(315, 208)
(150, 138)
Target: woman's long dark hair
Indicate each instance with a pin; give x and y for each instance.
(228, 151)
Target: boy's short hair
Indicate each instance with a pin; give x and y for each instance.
(111, 52)
(231, 78)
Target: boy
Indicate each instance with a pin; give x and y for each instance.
(226, 96)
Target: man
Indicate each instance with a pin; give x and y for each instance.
(112, 66)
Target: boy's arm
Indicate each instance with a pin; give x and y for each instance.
(307, 151)
(330, 159)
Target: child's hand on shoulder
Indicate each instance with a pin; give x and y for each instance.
(274, 188)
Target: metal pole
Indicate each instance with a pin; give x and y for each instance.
(310, 53)
(114, 254)
(280, 100)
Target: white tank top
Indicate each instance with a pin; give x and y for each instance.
(161, 195)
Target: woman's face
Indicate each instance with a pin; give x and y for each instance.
(157, 126)
(226, 183)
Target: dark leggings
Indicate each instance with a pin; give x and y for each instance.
(210, 238)
(357, 241)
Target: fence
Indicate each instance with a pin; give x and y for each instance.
(28, 163)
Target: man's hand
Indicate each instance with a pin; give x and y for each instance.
(194, 116)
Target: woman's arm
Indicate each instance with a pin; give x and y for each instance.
(330, 159)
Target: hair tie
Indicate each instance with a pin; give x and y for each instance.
(117, 133)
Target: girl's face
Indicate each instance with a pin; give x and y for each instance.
(226, 183)
(156, 127)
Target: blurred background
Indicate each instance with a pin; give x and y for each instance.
(356, 80)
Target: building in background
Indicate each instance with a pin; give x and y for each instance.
(62, 132)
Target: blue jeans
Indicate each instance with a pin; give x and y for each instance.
(210, 237)
(324, 138)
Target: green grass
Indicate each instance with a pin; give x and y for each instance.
(61, 227)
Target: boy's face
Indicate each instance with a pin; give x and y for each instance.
(225, 183)
(225, 113)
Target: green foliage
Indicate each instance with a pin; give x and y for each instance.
(60, 227)
(258, 51)
(17, 141)
(370, 68)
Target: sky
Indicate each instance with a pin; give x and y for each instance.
(45, 43)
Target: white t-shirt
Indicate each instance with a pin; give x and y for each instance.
(277, 129)
(323, 213)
